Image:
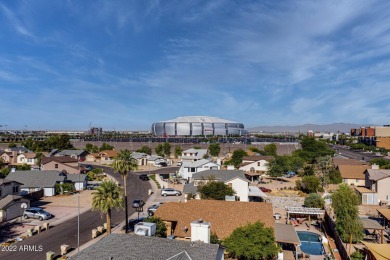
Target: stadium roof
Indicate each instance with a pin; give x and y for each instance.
(199, 119)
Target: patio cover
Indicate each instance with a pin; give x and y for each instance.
(371, 224)
(380, 251)
(286, 234)
(385, 213)
(256, 192)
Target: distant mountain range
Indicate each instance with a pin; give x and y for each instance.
(336, 127)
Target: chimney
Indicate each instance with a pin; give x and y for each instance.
(375, 167)
(200, 231)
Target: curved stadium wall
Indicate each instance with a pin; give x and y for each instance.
(198, 126)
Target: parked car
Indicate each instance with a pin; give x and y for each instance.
(179, 163)
(133, 222)
(161, 164)
(36, 213)
(137, 203)
(170, 192)
(152, 209)
(144, 177)
(263, 189)
(92, 186)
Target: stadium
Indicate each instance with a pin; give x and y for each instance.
(198, 126)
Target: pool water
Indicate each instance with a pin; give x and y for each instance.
(310, 243)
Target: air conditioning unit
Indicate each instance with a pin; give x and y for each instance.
(145, 229)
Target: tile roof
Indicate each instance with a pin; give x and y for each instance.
(221, 175)
(36, 179)
(125, 246)
(224, 216)
(353, 171)
(344, 161)
(375, 175)
(256, 158)
(60, 159)
(108, 153)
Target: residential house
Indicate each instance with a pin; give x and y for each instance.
(27, 158)
(37, 180)
(61, 163)
(154, 159)
(148, 248)
(11, 203)
(142, 158)
(92, 157)
(80, 181)
(378, 181)
(224, 216)
(9, 157)
(255, 166)
(76, 154)
(188, 168)
(234, 178)
(344, 161)
(193, 154)
(18, 149)
(353, 174)
(107, 156)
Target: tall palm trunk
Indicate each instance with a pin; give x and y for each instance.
(126, 208)
(108, 221)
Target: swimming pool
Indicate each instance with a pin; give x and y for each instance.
(310, 243)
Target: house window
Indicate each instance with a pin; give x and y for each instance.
(258, 163)
(15, 189)
(56, 165)
(0, 193)
(192, 170)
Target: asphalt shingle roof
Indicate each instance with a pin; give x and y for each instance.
(224, 216)
(59, 159)
(221, 175)
(189, 164)
(76, 177)
(375, 175)
(36, 179)
(8, 199)
(353, 171)
(70, 152)
(124, 246)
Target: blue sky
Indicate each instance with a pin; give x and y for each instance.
(123, 65)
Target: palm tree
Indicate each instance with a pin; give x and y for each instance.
(124, 164)
(106, 197)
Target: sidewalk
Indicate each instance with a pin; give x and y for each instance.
(119, 228)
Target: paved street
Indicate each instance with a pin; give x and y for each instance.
(66, 233)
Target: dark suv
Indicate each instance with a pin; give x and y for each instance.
(144, 177)
(137, 203)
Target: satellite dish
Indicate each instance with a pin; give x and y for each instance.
(23, 205)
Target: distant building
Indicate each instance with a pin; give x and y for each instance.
(378, 136)
(96, 131)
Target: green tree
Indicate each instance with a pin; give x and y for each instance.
(380, 161)
(252, 242)
(308, 170)
(178, 151)
(23, 167)
(296, 163)
(214, 149)
(91, 148)
(106, 147)
(159, 150)
(161, 229)
(39, 157)
(311, 184)
(215, 190)
(60, 142)
(214, 238)
(279, 166)
(314, 200)
(107, 197)
(271, 149)
(345, 203)
(167, 149)
(312, 149)
(145, 149)
(11, 145)
(123, 164)
(334, 176)
(236, 159)
(356, 256)
(5, 171)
